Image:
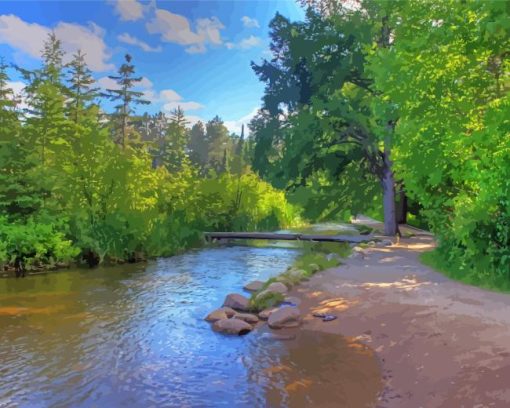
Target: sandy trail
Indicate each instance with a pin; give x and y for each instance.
(440, 343)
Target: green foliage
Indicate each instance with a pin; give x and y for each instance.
(70, 191)
(448, 71)
(266, 301)
(37, 242)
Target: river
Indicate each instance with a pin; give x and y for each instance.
(134, 336)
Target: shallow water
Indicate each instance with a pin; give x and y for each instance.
(134, 336)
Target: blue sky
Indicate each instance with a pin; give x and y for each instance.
(195, 54)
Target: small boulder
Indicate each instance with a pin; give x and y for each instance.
(254, 286)
(285, 317)
(221, 313)
(264, 315)
(247, 317)
(232, 326)
(237, 302)
(386, 242)
(277, 287)
(292, 299)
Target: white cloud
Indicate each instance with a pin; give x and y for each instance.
(17, 88)
(128, 39)
(250, 42)
(168, 98)
(185, 106)
(176, 29)
(234, 126)
(128, 10)
(30, 37)
(245, 43)
(107, 83)
(192, 119)
(250, 22)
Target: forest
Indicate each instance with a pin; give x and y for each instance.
(79, 184)
(399, 110)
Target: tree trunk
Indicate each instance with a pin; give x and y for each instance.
(401, 209)
(388, 186)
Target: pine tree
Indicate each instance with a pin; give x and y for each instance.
(126, 98)
(238, 162)
(175, 150)
(18, 197)
(198, 146)
(81, 90)
(217, 140)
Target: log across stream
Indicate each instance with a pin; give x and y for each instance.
(356, 239)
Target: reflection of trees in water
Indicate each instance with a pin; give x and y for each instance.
(316, 369)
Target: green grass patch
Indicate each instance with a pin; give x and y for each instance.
(266, 301)
(314, 257)
(475, 276)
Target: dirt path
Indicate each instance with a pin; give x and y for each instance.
(440, 343)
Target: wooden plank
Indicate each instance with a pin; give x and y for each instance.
(288, 237)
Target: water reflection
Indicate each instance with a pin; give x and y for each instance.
(134, 336)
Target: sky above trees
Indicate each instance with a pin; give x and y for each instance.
(193, 54)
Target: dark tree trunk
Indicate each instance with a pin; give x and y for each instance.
(388, 186)
(402, 209)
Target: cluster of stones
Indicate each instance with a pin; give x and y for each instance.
(234, 317)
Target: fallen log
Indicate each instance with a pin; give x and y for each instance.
(356, 239)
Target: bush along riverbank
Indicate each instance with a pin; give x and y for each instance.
(269, 301)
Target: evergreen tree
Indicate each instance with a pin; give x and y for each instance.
(81, 90)
(238, 161)
(198, 146)
(18, 196)
(126, 98)
(47, 125)
(218, 141)
(176, 142)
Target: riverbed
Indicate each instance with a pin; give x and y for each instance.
(134, 336)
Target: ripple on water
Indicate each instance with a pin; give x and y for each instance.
(134, 335)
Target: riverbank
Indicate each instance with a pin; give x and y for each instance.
(440, 343)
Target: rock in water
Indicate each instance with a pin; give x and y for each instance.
(232, 326)
(254, 286)
(237, 302)
(247, 317)
(285, 317)
(221, 313)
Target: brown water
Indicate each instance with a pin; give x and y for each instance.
(134, 336)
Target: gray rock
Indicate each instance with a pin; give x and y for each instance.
(292, 299)
(264, 314)
(237, 302)
(221, 313)
(386, 242)
(254, 286)
(232, 326)
(247, 317)
(285, 317)
(277, 287)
